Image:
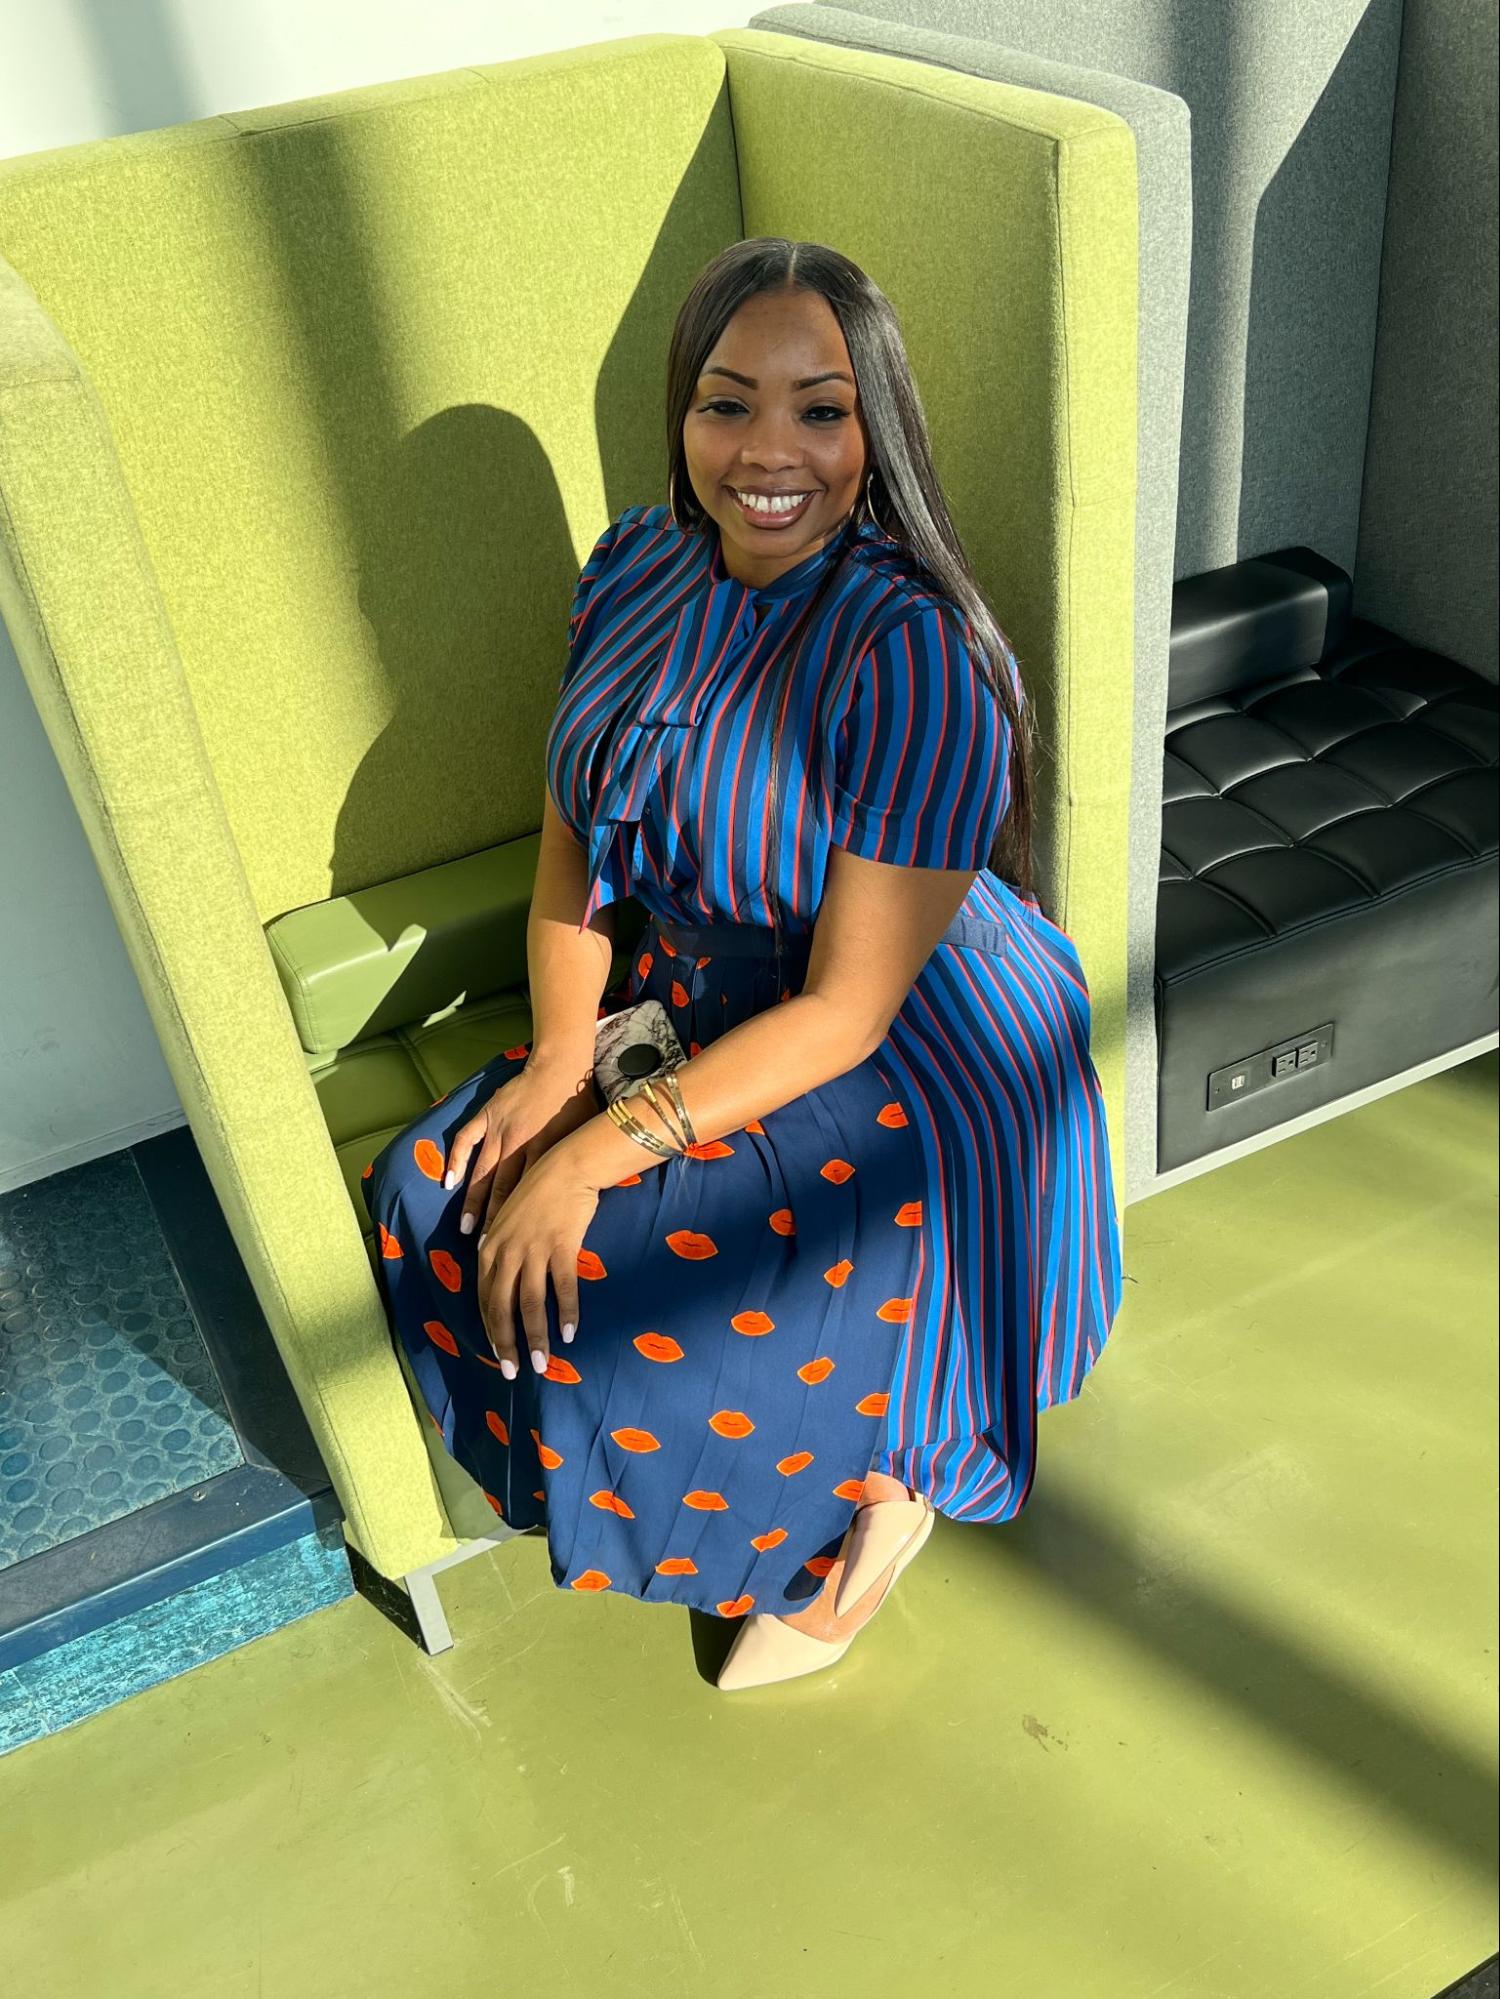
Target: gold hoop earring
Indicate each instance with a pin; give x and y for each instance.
(672, 495)
(865, 502)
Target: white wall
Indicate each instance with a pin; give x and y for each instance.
(81, 1074)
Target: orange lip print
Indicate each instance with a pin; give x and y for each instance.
(816, 1371)
(635, 1440)
(657, 1346)
(752, 1324)
(445, 1270)
(731, 1423)
(429, 1158)
(440, 1336)
(706, 1502)
(693, 1245)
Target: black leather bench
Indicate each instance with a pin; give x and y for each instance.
(1326, 917)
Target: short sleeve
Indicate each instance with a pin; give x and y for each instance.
(923, 768)
(578, 610)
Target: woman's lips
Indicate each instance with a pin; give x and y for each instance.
(779, 520)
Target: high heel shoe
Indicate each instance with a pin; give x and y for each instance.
(880, 1543)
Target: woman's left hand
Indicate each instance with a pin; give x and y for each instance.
(536, 1231)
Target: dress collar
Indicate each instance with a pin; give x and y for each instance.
(801, 576)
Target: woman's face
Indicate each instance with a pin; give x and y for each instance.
(776, 416)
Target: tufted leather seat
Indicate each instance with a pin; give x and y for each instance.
(1328, 854)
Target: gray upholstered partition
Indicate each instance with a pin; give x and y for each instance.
(1428, 525)
(1160, 124)
(1291, 108)
(1341, 386)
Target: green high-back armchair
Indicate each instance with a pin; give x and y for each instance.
(308, 416)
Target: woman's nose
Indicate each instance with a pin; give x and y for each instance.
(770, 447)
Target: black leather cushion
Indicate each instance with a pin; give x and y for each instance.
(1329, 840)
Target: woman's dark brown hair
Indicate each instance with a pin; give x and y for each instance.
(904, 494)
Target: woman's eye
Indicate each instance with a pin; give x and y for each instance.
(723, 406)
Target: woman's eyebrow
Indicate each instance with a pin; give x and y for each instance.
(807, 382)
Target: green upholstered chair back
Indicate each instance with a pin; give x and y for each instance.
(379, 367)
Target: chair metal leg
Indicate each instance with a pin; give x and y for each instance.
(421, 1587)
(432, 1623)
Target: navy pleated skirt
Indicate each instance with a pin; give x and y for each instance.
(704, 1439)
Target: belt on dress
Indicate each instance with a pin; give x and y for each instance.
(757, 940)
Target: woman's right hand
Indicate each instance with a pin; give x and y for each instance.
(518, 1124)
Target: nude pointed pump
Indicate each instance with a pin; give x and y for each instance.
(882, 1540)
(882, 1531)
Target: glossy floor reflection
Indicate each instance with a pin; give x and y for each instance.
(1213, 1720)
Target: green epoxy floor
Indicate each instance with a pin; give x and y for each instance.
(1215, 1719)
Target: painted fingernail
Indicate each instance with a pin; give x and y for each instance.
(538, 1360)
(509, 1369)
(568, 1332)
(466, 1225)
(449, 1179)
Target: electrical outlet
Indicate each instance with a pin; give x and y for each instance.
(1238, 1080)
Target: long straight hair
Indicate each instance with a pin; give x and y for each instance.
(904, 493)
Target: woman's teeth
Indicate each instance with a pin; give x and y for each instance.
(770, 506)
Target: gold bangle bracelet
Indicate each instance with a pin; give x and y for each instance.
(669, 1078)
(646, 1095)
(632, 1130)
(622, 1117)
(617, 1114)
(671, 1114)
(669, 1117)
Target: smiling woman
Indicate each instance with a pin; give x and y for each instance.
(792, 729)
(776, 459)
